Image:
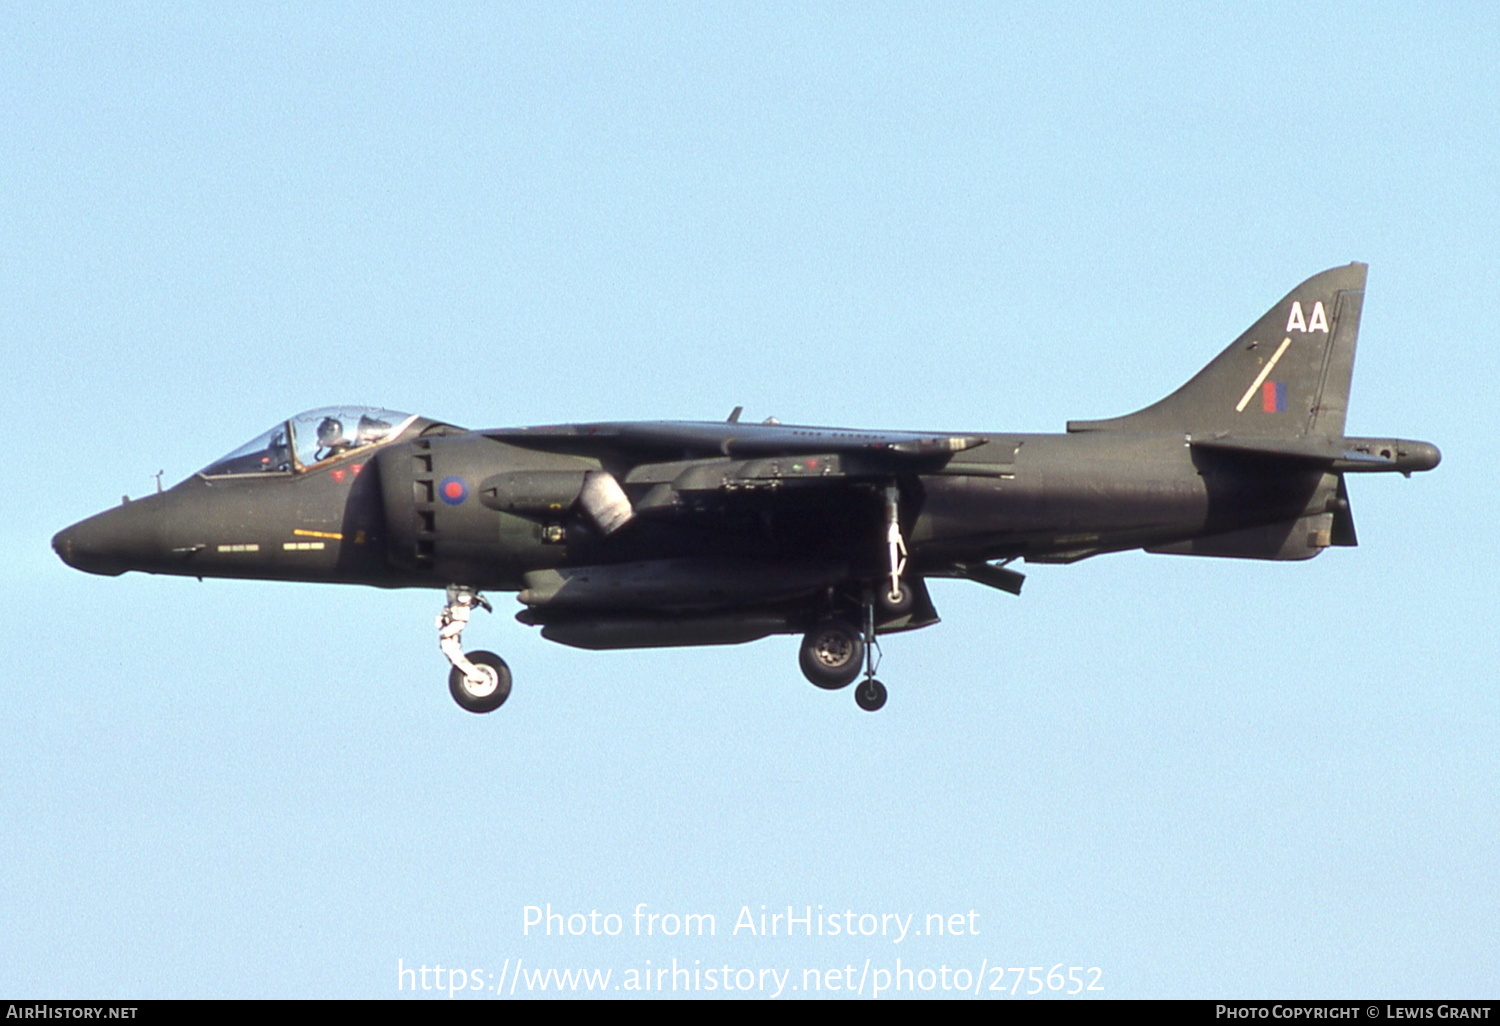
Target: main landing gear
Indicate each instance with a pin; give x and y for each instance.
(479, 682)
(833, 651)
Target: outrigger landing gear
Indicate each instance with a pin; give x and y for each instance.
(479, 682)
(871, 694)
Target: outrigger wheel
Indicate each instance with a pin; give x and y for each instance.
(870, 695)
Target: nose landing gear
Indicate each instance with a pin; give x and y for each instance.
(479, 682)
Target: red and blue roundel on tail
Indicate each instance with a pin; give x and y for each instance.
(452, 490)
(1273, 397)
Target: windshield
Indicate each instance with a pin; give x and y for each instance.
(311, 438)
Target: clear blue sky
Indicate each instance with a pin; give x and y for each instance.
(1206, 778)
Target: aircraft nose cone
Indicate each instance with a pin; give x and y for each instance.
(109, 543)
(62, 544)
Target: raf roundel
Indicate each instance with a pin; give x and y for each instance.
(452, 490)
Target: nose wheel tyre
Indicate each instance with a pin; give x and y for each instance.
(870, 695)
(484, 695)
(832, 654)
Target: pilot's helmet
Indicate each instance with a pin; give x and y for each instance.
(330, 432)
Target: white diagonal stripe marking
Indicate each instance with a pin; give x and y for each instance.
(1265, 372)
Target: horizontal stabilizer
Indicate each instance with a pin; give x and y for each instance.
(1340, 455)
(1305, 447)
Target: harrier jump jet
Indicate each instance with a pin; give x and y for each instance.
(628, 535)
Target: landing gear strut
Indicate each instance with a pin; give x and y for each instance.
(832, 652)
(894, 600)
(897, 595)
(835, 652)
(871, 694)
(479, 682)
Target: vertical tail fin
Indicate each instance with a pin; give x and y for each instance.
(1288, 376)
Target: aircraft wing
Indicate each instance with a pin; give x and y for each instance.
(672, 466)
(654, 441)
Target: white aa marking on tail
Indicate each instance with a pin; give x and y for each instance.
(1295, 320)
(1319, 320)
(1265, 372)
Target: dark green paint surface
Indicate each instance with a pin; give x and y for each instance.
(738, 530)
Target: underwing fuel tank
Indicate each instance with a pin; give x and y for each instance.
(676, 584)
(665, 631)
(667, 602)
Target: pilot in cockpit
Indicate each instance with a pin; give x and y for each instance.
(331, 440)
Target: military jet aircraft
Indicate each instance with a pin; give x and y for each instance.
(628, 535)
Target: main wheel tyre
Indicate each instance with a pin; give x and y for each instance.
(870, 695)
(832, 654)
(485, 696)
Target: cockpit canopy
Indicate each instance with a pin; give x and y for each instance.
(311, 439)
